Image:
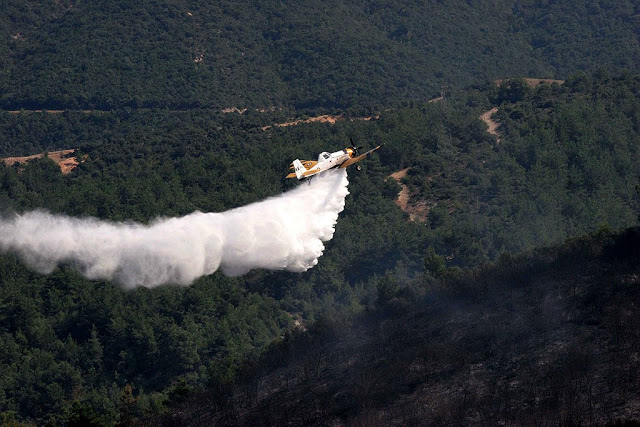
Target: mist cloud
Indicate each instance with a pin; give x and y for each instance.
(285, 232)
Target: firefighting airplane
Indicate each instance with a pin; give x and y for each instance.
(304, 169)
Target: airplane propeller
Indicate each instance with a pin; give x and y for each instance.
(353, 147)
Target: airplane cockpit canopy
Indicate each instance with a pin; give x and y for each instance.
(323, 157)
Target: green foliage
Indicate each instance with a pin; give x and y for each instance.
(530, 337)
(387, 288)
(259, 54)
(434, 264)
(66, 339)
(566, 164)
(155, 76)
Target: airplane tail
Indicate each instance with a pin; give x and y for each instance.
(298, 168)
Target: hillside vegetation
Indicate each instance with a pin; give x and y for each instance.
(175, 106)
(545, 338)
(76, 349)
(95, 55)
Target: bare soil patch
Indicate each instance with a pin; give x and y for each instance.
(51, 111)
(533, 82)
(487, 117)
(326, 118)
(234, 110)
(417, 210)
(63, 158)
(403, 195)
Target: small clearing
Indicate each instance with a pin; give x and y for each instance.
(492, 125)
(403, 195)
(244, 110)
(531, 81)
(418, 210)
(321, 119)
(36, 111)
(63, 158)
(487, 117)
(234, 110)
(51, 111)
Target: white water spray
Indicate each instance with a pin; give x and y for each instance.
(280, 233)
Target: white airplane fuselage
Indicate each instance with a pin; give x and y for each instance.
(326, 161)
(331, 160)
(303, 169)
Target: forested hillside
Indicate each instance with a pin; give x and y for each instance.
(74, 349)
(261, 54)
(172, 107)
(548, 337)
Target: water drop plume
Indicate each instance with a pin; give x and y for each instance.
(285, 232)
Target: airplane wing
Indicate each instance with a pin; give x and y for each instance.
(304, 174)
(360, 157)
(308, 164)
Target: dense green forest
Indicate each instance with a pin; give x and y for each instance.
(261, 54)
(74, 349)
(495, 328)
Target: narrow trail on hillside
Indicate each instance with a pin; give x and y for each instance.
(492, 125)
(417, 211)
